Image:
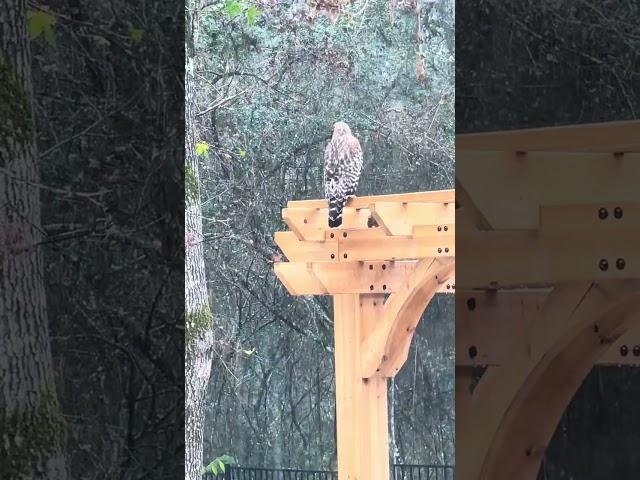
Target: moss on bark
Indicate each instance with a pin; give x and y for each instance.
(198, 323)
(191, 184)
(31, 436)
(15, 107)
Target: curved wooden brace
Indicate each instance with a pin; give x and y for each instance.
(516, 408)
(385, 349)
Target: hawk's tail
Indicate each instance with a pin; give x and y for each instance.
(336, 205)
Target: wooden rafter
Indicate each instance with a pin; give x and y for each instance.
(480, 314)
(509, 189)
(599, 137)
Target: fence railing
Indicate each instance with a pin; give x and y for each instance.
(398, 472)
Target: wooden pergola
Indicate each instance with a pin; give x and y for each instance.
(391, 255)
(548, 283)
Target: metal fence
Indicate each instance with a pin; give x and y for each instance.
(398, 472)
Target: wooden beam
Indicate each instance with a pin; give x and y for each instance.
(369, 245)
(374, 244)
(614, 218)
(485, 318)
(300, 251)
(385, 350)
(509, 189)
(361, 405)
(468, 216)
(595, 137)
(435, 196)
(520, 258)
(401, 218)
(349, 277)
(311, 223)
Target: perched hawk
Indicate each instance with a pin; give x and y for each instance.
(342, 167)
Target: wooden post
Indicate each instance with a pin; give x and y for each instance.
(361, 404)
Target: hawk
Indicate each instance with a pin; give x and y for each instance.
(342, 167)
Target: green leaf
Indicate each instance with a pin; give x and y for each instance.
(221, 465)
(242, 152)
(41, 23)
(202, 149)
(228, 459)
(252, 14)
(212, 467)
(232, 8)
(136, 34)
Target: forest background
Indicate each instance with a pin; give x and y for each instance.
(272, 78)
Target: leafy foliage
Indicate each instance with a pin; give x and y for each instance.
(219, 464)
(41, 23)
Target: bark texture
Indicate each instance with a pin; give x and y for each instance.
(199, 335)
(31, 424)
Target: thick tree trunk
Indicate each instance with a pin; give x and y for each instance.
(199, 335)
(31, 425)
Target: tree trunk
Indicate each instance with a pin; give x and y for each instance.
(199, 319)
(31, 424)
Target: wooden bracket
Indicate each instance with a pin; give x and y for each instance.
(385, 350)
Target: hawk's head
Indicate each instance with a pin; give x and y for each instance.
(340, 129)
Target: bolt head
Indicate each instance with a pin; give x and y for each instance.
(471, 304)
(603, 213)
(617, 212)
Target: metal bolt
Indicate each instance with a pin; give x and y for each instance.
(471, 304)
(370, 287)
(332, 235)
(603, 213)
(617, 212)
(439, 228)
(448, 287)
(446, 249)
(604, 265)
(345, 255)
(446, 228)
(620, 263)
(473, 351)
(384, 267)
(305, 220)
(370, 267)
(344, 234)
(636, 351)
(624, 350)
(384, 287)
(332, 256)
(439, 250)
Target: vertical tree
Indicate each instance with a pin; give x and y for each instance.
(199, 323)
(30, 419)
